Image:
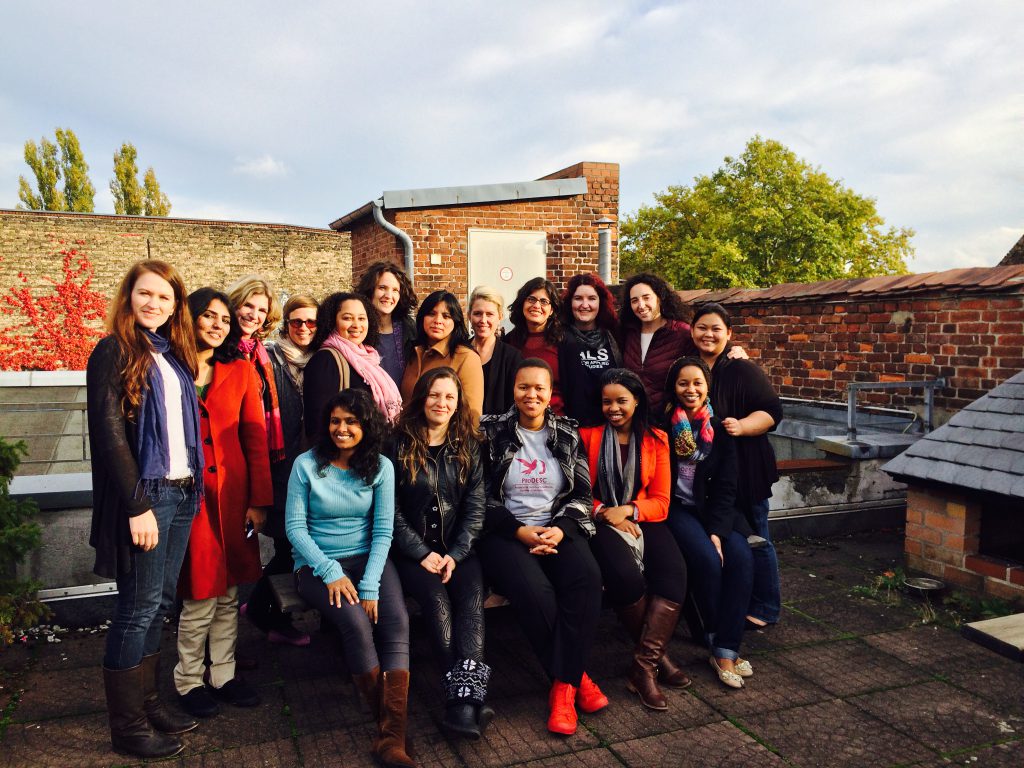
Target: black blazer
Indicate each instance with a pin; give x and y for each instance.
(714, 484)
(499, 374)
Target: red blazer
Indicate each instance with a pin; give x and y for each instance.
(236, 477)
(655, 472)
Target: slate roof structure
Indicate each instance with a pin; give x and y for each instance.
(980, 448)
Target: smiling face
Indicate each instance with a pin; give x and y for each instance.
(537, 310)
(438, 324)
(532, 392)
(152, 301)
(618, 406)
(301, 326)
(691, 388)
(485, 318)
(644, 303)
(442, 402)
(252, 314)
(710, 334)
(585, 305)
(213, 325)
(345, 430)
(351, 322)
(386, 294)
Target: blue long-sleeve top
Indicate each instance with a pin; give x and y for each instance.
(335, 514)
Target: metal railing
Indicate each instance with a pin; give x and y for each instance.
(80, 435)
(854, 387)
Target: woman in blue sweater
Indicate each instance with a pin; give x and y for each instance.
(339, 518)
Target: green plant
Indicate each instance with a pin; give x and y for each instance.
(19, 535)
(964, 607)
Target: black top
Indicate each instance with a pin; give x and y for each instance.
(498, 377)
(582, 357)
(738, 388)
(714, 485)
(321, 380)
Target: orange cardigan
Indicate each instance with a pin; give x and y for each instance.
(466, 363)
(655, 473)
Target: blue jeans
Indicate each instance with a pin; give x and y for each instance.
(766, 599)
(720, 590)
(147, 592)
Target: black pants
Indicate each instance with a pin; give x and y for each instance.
(557, 598)
(454, 611)
(664, 572)
(262, 610)
(366, 645)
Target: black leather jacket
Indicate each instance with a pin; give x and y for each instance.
(437, 497)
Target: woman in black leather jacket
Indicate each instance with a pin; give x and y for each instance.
(439, 498)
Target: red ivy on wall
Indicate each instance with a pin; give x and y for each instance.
(56, 330)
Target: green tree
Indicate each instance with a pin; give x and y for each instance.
(50, 163)
(133, 198)
(764, 218)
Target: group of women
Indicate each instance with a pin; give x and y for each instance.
(579, 457)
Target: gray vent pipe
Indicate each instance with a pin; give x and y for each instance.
(378, 216)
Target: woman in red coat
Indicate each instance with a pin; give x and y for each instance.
(223, 550)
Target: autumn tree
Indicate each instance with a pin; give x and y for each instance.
(133, 198)
(50, 163)
(764, 218)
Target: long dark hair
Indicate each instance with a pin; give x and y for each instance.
(365, 460)
(460, 333)
(412, 426)
(198, 302)
(407, 300)
(670, 399)
(553, 328)
(641, 423)
(712, 308)
(671, 305)
(606, 318)
(327, 318)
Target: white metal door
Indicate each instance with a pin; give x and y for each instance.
(505, 259)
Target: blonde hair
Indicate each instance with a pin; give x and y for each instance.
(298, 301)
(486, 293)
(254, 285)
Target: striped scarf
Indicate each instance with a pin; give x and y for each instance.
(685, 444)
(256, 353)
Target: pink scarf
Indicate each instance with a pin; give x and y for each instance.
(256, 353)
(365, 361)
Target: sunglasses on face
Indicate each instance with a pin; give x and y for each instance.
(296, 323)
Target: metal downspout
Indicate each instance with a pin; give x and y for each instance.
(378, 216)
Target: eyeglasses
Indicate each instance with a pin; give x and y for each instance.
(535, 300)
(296, 323)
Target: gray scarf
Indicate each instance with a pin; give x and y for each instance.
(616, 485)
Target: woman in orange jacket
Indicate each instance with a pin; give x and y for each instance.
(643, 571)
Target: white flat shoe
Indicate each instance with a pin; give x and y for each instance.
(742, 668)
(730, 679)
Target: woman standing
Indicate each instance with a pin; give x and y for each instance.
(588, 348)
(644, 573)
(439, 492)
(289, 352)
(746, 402)
(390, 292)
(499, 360)
(340, 518)
(344, 357)
(538, 330)
(702, 516)
(443, 341)
(534, 551)
(147, 480)
(222, 550)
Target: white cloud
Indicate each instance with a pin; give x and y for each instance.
(263, 167)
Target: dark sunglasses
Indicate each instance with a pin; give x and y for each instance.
(297, 323)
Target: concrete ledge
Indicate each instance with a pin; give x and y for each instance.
(42, 378)
(67, 491)
(873, 445)
(1004, 635)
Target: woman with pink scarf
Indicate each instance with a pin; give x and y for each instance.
(344, 358)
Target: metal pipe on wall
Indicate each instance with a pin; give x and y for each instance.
(604, 248)
(378, 216)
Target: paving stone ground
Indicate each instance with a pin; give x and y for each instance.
(842, 681)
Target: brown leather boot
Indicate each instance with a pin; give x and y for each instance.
(670, 674)
(130, 732)
(160, 717)
(390, 748)
(368, 684)
(632, 618)
(660, 623)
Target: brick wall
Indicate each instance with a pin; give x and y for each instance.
(942, 539)
(568, 222)
(294, 259)
(812, 349)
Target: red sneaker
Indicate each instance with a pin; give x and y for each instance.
(563, 717)
(590, 697)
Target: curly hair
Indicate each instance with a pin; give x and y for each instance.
(411, 429)
(606, 318)
(669, 302)
(365, 459)
(671, 401)
(198, 302)
(460, 333)
(254, 285)
(135, 349)
(553, 327)
(407, 301)
(327, 319)
(624, 377)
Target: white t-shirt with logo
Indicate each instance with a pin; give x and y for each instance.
(534, 479)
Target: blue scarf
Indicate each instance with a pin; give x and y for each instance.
(153, 449)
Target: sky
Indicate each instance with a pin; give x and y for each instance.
(301, 112)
